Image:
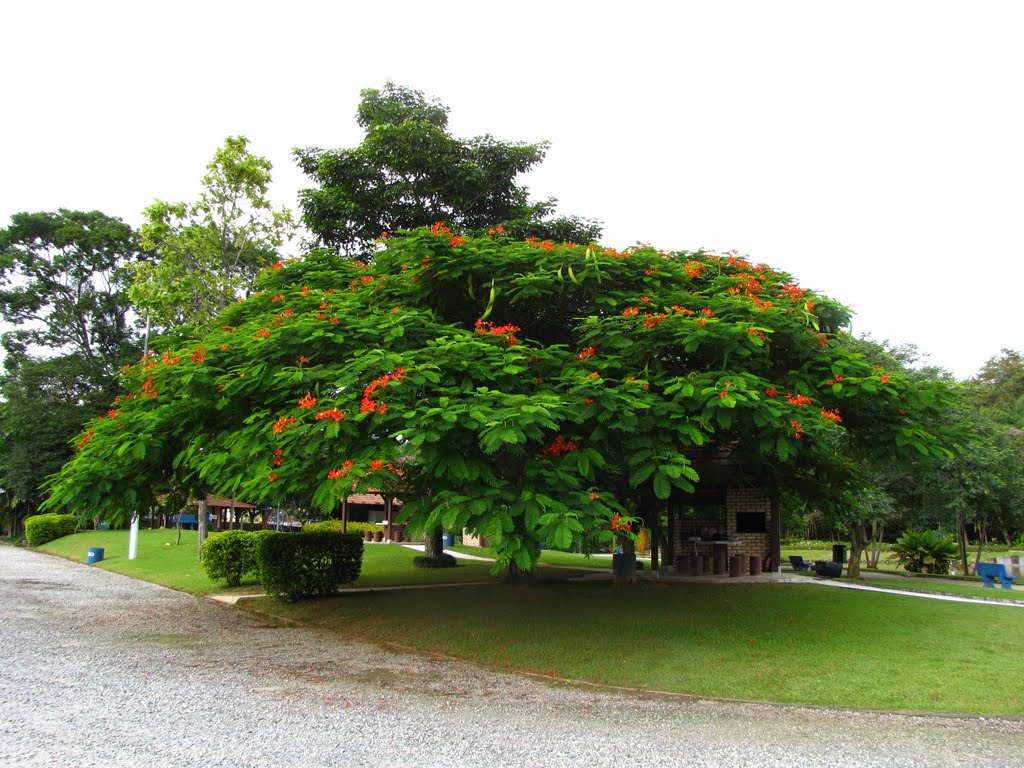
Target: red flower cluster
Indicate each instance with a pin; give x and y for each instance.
(198, 355)
(798, 399)
(376, 464)
(798, 430)
(832, 415)
(283, 423)
(586, 352)
(333, 413)
(694, 268)
(885, 379)
(771, 391)
(483, 327)
(794, 291)
(166, 359)
(630, 311)
(439, 228)
(263, 333)
(336, 474)
(617, 525)
(456, 241)
(279, 297)
(498, 230)
(85, 440)
(111, 414)
(559, 446)
(307, 401)
(277, 457)
(148, 390)
(272, 477)
(368, 405)
(652, 320)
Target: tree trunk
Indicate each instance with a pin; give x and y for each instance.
(982, 541)
(961, 539)
(875, 548)
(858, 537)
(433, 546)
(201, 518)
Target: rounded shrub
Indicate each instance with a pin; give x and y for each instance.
(308, 564)
(40, 529)
(442, 561)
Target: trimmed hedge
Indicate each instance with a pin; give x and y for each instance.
(232, 555)
(294, 566)
(334, 526)
(40, 529)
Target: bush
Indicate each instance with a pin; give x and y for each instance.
(40, 529)
(231, 555)
(308, 564)
(441, 561)
(925, 551)
(334, 526)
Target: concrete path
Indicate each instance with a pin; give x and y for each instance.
(102, 670)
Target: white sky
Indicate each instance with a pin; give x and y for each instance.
(874, 149)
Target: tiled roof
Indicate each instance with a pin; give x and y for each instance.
(369, 498)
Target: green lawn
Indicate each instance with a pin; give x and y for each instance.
(791, 643)
(162, 561)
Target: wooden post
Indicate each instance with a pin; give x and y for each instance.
(389, 511)
(775, 537)
(670, 532)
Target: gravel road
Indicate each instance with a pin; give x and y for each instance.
(99, 669)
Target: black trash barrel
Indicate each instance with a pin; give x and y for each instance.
(736, 565)
(838, 553)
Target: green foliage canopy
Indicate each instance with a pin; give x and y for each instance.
(527, 390)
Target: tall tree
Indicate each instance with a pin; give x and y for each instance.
(410, 171)
(62, 284)
(528, 390)
(63, 287)
(207, 253)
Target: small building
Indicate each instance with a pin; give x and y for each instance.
(712, 526)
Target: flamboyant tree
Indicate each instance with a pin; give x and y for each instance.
(528, 390)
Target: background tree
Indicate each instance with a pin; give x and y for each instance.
(62, 285)
(410, 171)
(63, 289)
(530, 391)
(208, 253)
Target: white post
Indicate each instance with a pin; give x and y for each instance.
(133, 537)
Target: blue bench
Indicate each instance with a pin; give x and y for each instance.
(990, 571)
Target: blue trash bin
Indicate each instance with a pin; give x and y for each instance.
(95, 555)
(448, 539)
